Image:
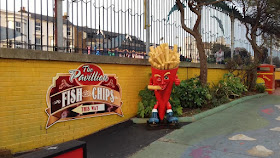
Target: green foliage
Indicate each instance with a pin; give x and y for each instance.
(233, 85)
(145, 107)
(260, 88)
(211, 59)
(276, 61)
(175, 102)
(244, 67)
(189, 94)
(264, 55)
(218, 95)
(192, 94)
(148, 98)
(228, 88)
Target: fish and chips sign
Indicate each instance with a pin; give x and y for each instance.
(82, 93)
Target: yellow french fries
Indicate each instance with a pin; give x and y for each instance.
(164, 58)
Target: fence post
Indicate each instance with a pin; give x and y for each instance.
(270, 50)
(232, 34)
(147, 25)
(59, 26)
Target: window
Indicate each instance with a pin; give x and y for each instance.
(38, 44)
(18, 44)
(68, 31)
(38, 26)
(90, 35)
(68, 43)
(18, 26)
(51, 42)
(11, 24)
(68, 46)
(38, 41)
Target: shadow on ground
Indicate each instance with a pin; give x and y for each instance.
(122, 140)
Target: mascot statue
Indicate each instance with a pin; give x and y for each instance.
(165, 63)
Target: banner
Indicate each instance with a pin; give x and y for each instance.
(82, 93)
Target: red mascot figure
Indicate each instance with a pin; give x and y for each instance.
(163, 77)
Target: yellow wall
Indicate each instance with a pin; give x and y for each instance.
(277, 75)
(23, 87)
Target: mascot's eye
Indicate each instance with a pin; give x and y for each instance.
(166, 77)
(158, 79)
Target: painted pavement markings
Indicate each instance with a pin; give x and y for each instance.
(209, 137)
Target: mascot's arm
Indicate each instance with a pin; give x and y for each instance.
(177, 81)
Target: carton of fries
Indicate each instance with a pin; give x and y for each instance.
(163, 58)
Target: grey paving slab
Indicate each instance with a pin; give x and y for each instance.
(208, 152)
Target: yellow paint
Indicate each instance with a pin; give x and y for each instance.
(23, 88)
(260, 81)
(265, 73)
(269, 89)
(265, 77)
(277, 75)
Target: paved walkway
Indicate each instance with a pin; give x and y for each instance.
(277, 92)
(246, 130)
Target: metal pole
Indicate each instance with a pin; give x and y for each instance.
(59, 25)
(7, 25)
(47, 25)
(232, 35)
(270, 50)
(147, 25)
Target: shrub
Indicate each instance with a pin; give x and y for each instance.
(233, 85)
(245, 67)
(192, 94)
(218, 95)
(175, 102)
(146, 105)
(148, 100)
(260, 88)
(228, 88)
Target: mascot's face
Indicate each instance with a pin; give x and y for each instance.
(163, 78)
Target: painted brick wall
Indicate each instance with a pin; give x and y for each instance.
(23, 87)
(277, 75)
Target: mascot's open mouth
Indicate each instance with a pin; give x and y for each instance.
(163, 87)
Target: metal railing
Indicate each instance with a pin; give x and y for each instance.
(91, 27)
(109, 27)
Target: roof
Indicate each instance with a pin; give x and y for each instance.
(48, 18)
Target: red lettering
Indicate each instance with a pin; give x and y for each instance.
(95, 108)
(85, 109)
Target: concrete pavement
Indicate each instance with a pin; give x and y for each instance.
(258, 119)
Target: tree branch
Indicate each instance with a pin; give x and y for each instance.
(198, 20)
(214, 2)
(181, 8)
(197, 11)
(191, 4)
(247, 33)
